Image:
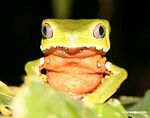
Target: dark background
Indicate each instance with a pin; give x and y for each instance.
(130, 37)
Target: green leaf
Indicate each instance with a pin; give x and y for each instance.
(6, 96)
(110, 109)
(38, 100)
(138, 107)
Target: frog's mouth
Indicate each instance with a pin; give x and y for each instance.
(75, 71)
(78, 52)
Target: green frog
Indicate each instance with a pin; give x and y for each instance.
(74, 61)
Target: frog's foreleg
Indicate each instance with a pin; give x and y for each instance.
(115, 79)
(109, 84)
(33, 68)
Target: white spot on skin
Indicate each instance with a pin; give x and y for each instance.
(98, 65)
(107, 66)
(98, 48)
(87, 46)
(105, 50)
(107, 76)
(40, 64)
(41, 61)
(44, 48)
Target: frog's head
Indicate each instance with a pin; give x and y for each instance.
(74, 51)
(75, 36)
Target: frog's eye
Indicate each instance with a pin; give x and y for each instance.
(47, 31)
(99, 31)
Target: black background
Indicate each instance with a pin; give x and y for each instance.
(130, 37)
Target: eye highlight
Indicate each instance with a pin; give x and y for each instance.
(47, 31)
(99, 31)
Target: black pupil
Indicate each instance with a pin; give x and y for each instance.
(44, 31)
(101, 30)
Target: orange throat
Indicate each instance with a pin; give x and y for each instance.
(75, 75)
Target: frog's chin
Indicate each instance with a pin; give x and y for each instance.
(75, 52)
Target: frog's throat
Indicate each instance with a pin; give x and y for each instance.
(86, 65)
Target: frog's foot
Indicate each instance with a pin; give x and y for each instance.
(75, 71)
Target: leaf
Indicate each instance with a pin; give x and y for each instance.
(140, 107)
(111, 109)
(38, 100)
(6, 96)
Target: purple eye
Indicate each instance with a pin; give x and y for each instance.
(47, 31)
(99, 31)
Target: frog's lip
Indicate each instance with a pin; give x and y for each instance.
(75, 52)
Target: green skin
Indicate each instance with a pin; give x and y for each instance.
(75, 34)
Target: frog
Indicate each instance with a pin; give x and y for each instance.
(74, 61)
